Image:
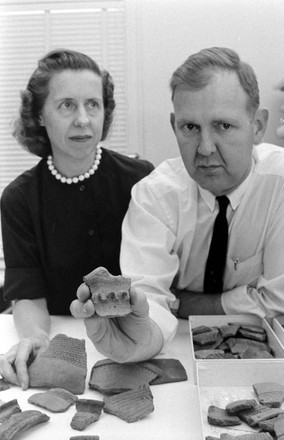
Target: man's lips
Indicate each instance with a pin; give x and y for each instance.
(209, 168)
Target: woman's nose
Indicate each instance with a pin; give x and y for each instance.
(82, 118)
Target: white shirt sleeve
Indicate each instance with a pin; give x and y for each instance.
(147, 256)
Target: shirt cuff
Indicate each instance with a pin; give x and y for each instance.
(237, 301)
(164, 319)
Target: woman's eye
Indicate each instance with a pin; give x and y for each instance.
(93, 104)
(67, 105)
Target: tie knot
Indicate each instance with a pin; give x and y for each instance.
(223, 202)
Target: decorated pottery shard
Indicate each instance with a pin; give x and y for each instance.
(200, 329)
(206, 337)
(55, 400)
(240, 405)
(18, 423)
(257, 414)
(62, 365)
(257, 436)
(88, 411)
(252, 335)
(255, 353)
(219, 417)
(4, 385)
(168, 370)
(279, 427)
(130, 406)
(110, 294)
(7, 409)
(85, 437)
(229, 330)
(269, 393)
(204, 354)
(240, 345)
(110, 377)
(268, 425)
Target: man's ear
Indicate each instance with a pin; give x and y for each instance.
(260, 124)
(173, 119)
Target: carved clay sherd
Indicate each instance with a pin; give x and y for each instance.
(110, 294)
(240, 405)
(169, 370)
(269, 393)
(257, 414)
(206, 337)
(88, 411)
(255, 353)
(9, 408)
(130, 406)
(253, 328)
(268, 425)
(110, 377)
(20, 422)
(200, 329)
(252, 335)
(85, 437)
(219, 417)
(62, 365)
(203, 354)
(55, 400)
(4, 385)
(279, 428)
(258, 436)
(239, 345)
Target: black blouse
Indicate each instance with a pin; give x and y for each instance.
(55, 233)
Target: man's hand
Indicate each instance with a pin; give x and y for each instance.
(130, 338)
(14, 363)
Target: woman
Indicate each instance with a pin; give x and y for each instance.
(62, 218)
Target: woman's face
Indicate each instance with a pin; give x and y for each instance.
(73, 114)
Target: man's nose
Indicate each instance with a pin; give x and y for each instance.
(206, 143)
(82, 117)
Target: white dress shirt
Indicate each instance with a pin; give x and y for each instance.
(167, 232)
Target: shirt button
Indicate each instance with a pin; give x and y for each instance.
(91, 232)
(82, 187)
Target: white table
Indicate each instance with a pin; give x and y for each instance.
(176, 414)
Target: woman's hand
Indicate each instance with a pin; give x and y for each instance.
(14, 363)
(130, 338)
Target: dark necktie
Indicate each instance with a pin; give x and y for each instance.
(213, 279)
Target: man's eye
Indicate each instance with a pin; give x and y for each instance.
(223, 126)
(189, 127)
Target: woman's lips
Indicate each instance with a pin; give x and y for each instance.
(80, 138)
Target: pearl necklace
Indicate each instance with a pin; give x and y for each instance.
(77, 179)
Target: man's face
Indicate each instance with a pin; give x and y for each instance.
(215, 132)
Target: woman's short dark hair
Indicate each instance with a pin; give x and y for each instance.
(28, 131)
(198, 69)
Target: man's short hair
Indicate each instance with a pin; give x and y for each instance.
(198, 69)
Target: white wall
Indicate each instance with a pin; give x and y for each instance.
(168, 31)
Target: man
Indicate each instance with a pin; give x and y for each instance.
(169, 225)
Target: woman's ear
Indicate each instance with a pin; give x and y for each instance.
(172, 119)
(40, 120)
(260, 124)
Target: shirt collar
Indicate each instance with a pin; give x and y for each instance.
(234, 197)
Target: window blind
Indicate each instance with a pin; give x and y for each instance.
(28, 30)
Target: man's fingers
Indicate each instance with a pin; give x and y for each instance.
(139, 303)
(83, 292)
(81, 310)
